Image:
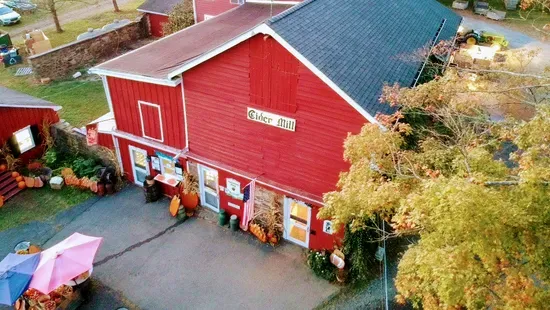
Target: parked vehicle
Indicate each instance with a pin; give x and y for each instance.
(476, 37)
(8, 16)
(20, 5)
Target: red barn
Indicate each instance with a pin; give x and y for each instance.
(206, 9)
(157, 14)
(21, 121)
(266, 94)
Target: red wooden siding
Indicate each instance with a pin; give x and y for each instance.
(127, 162)
(215, 7)
(14, 119)
(157, 21)
(151, 121)
(212, 7)
(273, 75)
(310, 159)
(126, 94)
(106, 140)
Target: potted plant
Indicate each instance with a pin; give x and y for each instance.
(190, 191)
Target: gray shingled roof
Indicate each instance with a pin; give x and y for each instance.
(12, 99)
(362, 44)
(159, 6)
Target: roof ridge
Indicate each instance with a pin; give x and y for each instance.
(284, 14)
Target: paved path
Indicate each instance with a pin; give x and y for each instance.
(517, 39)
(158, 263)
(85, 12)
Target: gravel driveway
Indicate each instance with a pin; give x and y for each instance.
(517, 39)
(158, 263)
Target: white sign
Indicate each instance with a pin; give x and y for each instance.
(327, 227)
(271, 119)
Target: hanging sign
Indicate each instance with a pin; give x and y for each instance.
(91, 134)
(271, 119)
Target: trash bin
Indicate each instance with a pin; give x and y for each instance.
(234, 223)
(222, 218)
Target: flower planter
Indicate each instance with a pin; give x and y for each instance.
(190, 201)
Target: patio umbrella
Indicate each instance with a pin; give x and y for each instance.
(65, 261)
(15, 274)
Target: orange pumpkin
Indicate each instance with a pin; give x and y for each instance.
(19, 178)
(14, 174)
(1, 201)
(21, 185)
(38, 182)
(29, 182)
(3, 168)
(93, 187)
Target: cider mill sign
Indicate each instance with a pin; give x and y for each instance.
(271, 119)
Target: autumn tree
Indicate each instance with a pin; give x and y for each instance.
(180, 17)
(473, 191)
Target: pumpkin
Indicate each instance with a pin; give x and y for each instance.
(38, 182)
(18, 179)
(14, 174)
(3, 168)
(1, 201)
(93, 187)
(29, 182)
(21, 185)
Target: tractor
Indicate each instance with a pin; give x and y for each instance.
(474, 37)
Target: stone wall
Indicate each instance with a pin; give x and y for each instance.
(65, 60)
(68, 140)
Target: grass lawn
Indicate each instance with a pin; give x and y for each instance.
(73, 29)
(82, 100)
(41, 14)
(39, 204)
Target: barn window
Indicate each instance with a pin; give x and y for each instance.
(24, 139)
(151, 121)
(273, 75)
(236, 1)
(207, 17)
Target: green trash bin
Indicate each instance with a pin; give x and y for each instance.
(234, 223)
(222, 218)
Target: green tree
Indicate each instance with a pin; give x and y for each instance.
(440, 169)
(180, 17)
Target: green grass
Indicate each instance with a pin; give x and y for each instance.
(39, 204)
(28, 19)
(73, 29)
(82, 100)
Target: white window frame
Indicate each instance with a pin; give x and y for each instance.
(287, 223)
(239, 2)
(208, 16)
(143, 126)
(147, 169)
(28, 128)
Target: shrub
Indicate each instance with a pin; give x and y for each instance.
(320, 264)
(179, 18)
(360, 247)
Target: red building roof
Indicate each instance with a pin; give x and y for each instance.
(158, 59)
(13, 99)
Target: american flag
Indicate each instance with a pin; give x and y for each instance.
(248, 199)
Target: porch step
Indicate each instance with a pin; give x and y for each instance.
(12, 193)
(8, 186)
(6, 175)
